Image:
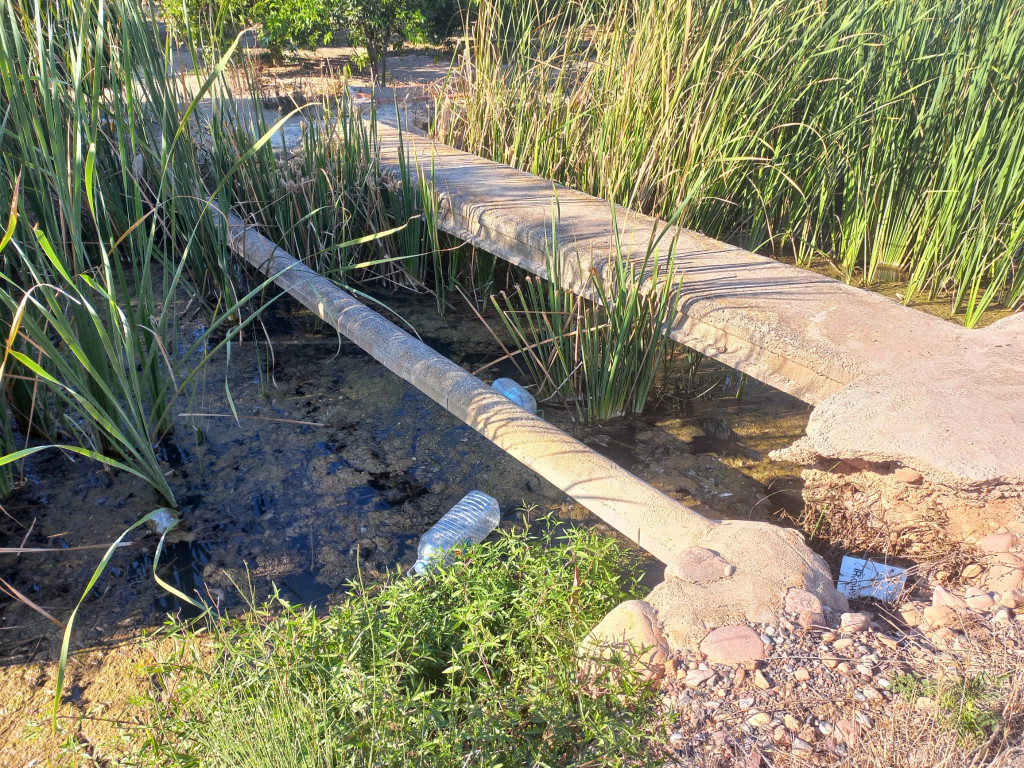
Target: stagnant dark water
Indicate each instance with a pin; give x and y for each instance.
(272, 503)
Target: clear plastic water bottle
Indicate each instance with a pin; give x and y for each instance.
(517, 394)
(468, 522)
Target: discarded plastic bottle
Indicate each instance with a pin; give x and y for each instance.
(514, 392)
(468, 522)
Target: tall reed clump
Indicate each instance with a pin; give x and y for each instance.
(884, 135)
(598, 356)
(108, 228)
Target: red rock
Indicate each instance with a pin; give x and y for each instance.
(632, 629)
(907, 475)
(806, 607)
(938, 616)
(943, 597)
(997, 542)
(855, 622)
(732, 645)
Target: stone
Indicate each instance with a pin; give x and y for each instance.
(972, 571)
(828, 637)
(632, 630)
(677, 739)
(741, 675)
(938, 616)
(697, 565)
(791, 722)
(942, 597)
(780, 735)
(843, 668)
(1012, 599)
(1002, 615)
(911, 614)
(745, 703)
(698, 677)
(806, 607)
(995, 543)
(825, 728)
(802, 674)
(720, 737)
(872, 694)
(799, 745)
(842, 644)
(1002, 577)
(925, 704)
(759, 719)
(671, 668)
(907, 475)
(855, 622)
(761, 680)
(980, 602)
(848, 730)
(830, 663)
(808, 734)
(731, 645)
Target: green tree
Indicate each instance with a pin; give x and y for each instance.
(380, 26)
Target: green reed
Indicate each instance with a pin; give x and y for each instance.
(599, 356)
(886, 136)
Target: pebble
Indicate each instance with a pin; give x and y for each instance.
(767, 639)
(780, 735)
(676, 739)
(865, 720)
(851, 623)
(745, 703)
(791, 722)
(802, 674)
(825, 728)
(871, 694)
(1002, 616)
(761, 680)
(865, 669)
(698, 677)
(842, 643)
(882, 682)
(848, 730)
(799, 745)
(759, 719)
(830, 663)
(843, 668)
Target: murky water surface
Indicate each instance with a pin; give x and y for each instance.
(336, 465)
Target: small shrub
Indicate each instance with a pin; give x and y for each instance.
(471, 666)
(961, 702)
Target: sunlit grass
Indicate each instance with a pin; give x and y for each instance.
(884, 135)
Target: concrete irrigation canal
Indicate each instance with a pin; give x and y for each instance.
(858, 357)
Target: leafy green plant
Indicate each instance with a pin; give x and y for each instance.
(962, 701)
(600, 355)
(380, 26)
(883, 136)
(474, 665)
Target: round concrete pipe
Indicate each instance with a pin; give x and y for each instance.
(767, 561)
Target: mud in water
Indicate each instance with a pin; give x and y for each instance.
(334, 466)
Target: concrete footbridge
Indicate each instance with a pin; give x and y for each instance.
(891, 386)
